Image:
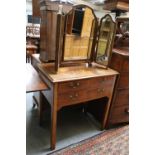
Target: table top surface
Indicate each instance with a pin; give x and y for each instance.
(33, 81)
(74, 72)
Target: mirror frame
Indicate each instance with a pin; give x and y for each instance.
(112, 41)
(87, 60)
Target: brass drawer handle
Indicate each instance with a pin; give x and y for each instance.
(100, 90)
(73, 96)
(74, 85)
(78, 84)
(71, 85)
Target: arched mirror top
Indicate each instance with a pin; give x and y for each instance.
(106, 34)
(79, 34)
(83, 6)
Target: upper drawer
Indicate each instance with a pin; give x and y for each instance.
(72, 97)
(72, 86)
(101, 82)
(86, 84)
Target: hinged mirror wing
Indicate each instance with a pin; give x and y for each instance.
(106, 34)
(79, 35)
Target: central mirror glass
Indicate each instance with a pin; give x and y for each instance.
(79, 34)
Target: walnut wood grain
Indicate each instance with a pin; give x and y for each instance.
(33, 81)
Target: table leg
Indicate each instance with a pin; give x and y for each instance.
(105, 116)
(54, 117)
(41, 108)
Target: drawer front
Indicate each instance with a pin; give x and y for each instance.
(84, 90)
(72, 86)
(123, 80)
(101, 87)
(101, 82)
(98, 93)
(120, 115)
(74, 97)
(121, 98)
(70, 98)
(86, 84)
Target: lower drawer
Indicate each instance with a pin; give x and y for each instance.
(70, 98)
(119, 115)
(74, 97)
(99, 93)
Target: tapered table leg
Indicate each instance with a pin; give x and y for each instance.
(54, 117)
(40, 108)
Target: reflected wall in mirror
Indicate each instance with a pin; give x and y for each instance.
(105, 40)
(79, 34)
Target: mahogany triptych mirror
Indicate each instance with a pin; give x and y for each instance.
(85, 38)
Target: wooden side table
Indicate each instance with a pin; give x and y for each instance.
(76, 85)
(33, 81)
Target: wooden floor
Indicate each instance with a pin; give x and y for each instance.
(73, 126)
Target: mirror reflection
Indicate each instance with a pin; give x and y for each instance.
(79, 34)
(105, 40)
